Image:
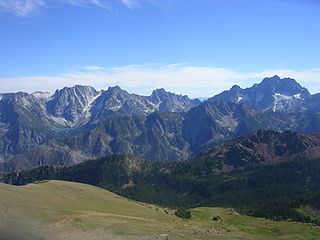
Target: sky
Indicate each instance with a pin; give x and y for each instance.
(193, 47)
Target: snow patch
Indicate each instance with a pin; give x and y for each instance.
(115, 107)
(87, 108)
(282, 102)
(297, 96)
(281, 96)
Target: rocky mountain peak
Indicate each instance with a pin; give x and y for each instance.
(272, 94)
(170, 102)
(70, 102)
(159, 92)
(271, 80)
(115, 92)
(235, 88)
(15, 96)
(76, 91)
(162, 94)
(115, 89)
(287, 86)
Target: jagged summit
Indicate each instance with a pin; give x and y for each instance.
(272, 94)
(162, 92)
(288, 86)
(69, 102)
(235, 87)
(115, 89)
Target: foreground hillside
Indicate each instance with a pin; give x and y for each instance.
(64, 210)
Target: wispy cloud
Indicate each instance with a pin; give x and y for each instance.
(20, 7)
(81, 3)
(130, 3)
(194, 81)
(23, 8)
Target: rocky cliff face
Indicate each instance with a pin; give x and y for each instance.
(23, 123)
(117, 102)
(71, 103)
(170, 102)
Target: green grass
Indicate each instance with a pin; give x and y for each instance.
(65, 210)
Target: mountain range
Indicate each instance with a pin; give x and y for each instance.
(27, 120)
(80, 123)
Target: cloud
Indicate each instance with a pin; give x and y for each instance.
(130, 3)
(20, 7)
(89, 68)
(194, 81)
(24, 8)
(82, 3)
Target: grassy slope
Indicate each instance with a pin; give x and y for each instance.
(65, 210)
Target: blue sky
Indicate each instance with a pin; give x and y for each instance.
(194, 47)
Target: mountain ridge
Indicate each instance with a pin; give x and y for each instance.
(161, 136)
(79, 123)
(273, 94)
(27, 120)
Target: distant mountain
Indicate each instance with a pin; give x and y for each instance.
(79, 123)
(24, 123)
(27, 120)
(71, 103)
(273, 94)
(212, 123)
(156, 136)
(160, 136)
(117, 102)
(170, 102)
